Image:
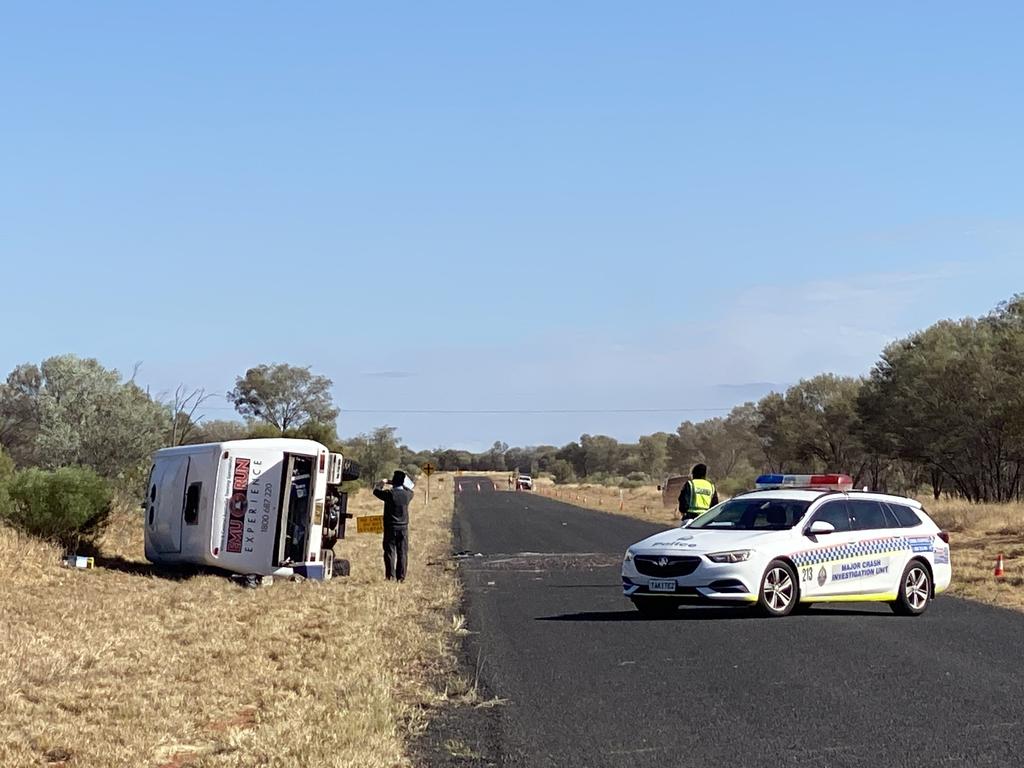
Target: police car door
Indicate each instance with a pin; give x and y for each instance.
(882, 548)
(820, 565)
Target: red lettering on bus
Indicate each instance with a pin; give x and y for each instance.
(234, 536)
(241, 475)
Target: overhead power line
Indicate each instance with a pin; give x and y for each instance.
(502, 411)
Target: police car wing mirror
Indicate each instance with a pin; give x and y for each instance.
(820, 527)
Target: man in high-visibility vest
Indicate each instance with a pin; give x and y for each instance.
(698, 495)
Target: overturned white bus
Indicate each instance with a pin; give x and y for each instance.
(261, 507)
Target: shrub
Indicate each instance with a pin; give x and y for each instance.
(6, 476)
(68, 505)
(730, 486)
(562, 471)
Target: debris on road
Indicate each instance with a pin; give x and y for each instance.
(252, 580)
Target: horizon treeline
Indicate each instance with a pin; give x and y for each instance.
(941, 411)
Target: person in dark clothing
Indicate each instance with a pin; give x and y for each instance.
(698, 494)
(396, 500)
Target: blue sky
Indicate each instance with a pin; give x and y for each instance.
(502, 206)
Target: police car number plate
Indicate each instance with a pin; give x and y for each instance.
(662, 585)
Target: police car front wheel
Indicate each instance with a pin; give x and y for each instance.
(779, 593)
(915, 590)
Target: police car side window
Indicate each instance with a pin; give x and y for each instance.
(890, 516)
(834, 512)
(905, 515)
(867, 515)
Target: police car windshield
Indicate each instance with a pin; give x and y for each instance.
(750, 514)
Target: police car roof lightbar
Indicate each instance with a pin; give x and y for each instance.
(824, 482)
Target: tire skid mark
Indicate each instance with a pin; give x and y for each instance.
(535, 562)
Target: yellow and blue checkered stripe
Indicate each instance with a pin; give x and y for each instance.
(855, 549)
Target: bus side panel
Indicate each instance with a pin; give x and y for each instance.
(165, 530)
(251, 506)
(200, 504)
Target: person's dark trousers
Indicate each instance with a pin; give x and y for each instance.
(396, 551)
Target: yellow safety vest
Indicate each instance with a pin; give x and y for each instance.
(701, 493)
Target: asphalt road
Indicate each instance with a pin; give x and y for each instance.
(582, 680)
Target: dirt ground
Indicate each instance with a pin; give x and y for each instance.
(123, 666)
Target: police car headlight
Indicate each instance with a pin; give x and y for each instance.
(628, 557)
(736, 556)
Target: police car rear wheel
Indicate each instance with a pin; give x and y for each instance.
(778, 594)
(656, 607)
(915, 590)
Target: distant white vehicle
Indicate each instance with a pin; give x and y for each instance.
(799, 539)
(524, 483)
(262, 507)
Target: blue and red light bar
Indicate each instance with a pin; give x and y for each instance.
(824, 482)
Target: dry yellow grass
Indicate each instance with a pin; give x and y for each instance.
(979, 532)
(643, 502)
(118, 667)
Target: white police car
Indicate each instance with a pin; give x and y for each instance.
(798, 539)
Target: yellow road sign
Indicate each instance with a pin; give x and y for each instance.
(428, 469)
(370, 524)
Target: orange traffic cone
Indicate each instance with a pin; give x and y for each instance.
(999, 572)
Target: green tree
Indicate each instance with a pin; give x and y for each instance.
(73, 411)
(574, 455)
(543, 456)
(6, 477)
(600, 453)
(629, 461)
(321, 432)
(653, 451)
(283, 396)
(814, 427)
(218, 431)
(450, 460)
(377, 452)
(949, 399)
(562, 471)
(19, 413)
(495, 458)
(729, 446)
(683, 448)
(523, 459)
